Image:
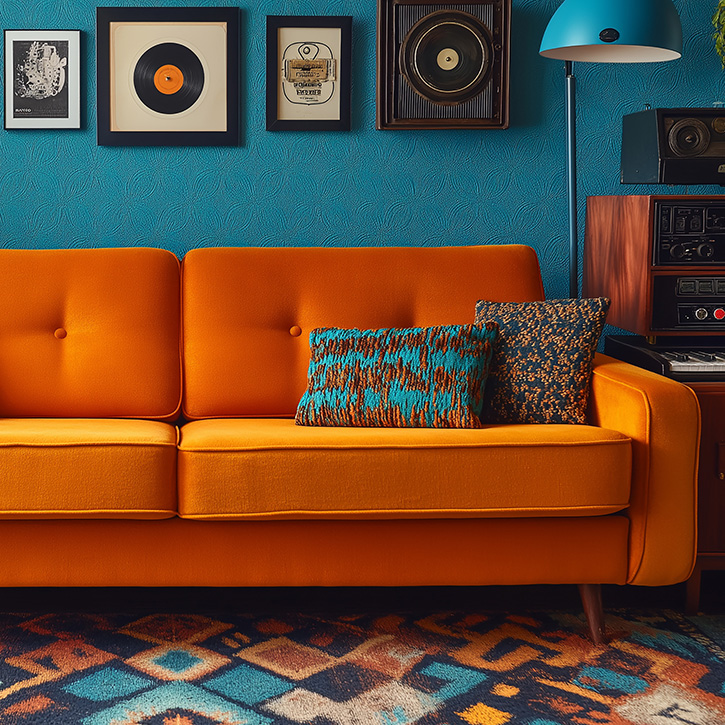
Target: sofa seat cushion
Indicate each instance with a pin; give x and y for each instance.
(272, 469)
(87, 468)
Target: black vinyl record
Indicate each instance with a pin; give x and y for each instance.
(169, 78)
(446, 56)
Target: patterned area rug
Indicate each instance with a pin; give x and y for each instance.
(443, 668)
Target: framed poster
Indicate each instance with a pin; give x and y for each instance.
(168, 76)
(308, 72)
(42, 79)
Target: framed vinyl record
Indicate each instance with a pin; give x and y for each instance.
(168, 76)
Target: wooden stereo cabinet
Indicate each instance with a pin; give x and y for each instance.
(630, 255)
(633, 258)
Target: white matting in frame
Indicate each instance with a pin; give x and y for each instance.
(130, 40)
(309, 59)
(42, 79)
(318, 43)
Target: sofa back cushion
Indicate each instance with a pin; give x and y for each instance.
(248, 312)
(89, 333)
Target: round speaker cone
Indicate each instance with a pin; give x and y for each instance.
(446, 56)
(688, 137)
(168, 78)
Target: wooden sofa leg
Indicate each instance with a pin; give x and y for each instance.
(591, 596)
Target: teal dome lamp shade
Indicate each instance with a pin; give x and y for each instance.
(605, 31)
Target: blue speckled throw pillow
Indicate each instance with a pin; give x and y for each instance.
(420, 377)
(542, 359)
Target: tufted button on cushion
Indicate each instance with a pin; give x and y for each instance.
(238, 360)
(295, 331)
(123, 307)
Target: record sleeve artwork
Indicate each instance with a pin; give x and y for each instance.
(40, 76)
(172, 76)
(42, 79)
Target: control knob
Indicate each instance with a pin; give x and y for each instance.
(677, 251)
(701, 313)
(705, 250)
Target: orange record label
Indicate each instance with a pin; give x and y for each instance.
(168, 79)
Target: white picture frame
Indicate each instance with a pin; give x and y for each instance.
(42, 79)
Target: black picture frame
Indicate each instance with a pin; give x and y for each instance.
(42, 71)
(124, 44)
(285, 32)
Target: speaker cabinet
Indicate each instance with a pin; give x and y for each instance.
(674, 146)
(443, 65)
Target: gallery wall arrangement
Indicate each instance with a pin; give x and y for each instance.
(337, 180)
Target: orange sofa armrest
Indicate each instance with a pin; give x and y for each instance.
(662, 417)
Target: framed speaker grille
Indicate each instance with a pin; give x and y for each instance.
(443, 65)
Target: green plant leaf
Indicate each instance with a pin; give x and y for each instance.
(718, 21)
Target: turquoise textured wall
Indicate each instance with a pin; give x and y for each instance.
(357, 188)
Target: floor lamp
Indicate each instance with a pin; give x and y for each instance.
(604, 31)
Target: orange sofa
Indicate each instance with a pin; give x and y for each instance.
(147, 434)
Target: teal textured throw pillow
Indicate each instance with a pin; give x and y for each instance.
(542, 359)
(420, 377)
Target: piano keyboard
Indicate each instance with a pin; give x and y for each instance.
(685, 359)
(694, 361)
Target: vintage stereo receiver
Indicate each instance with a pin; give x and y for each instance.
(689, 233)
(684, 302)
(660, 260)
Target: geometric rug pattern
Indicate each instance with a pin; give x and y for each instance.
(447, 668)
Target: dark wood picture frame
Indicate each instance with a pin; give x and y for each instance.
(401, 106)
(280, 117)
(216, 122)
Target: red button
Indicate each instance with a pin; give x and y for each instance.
(719, 313)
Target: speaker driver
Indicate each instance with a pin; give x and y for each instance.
(688, 137)
(446, 57)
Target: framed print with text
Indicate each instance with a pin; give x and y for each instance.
(42, 79)
(308, 72)
(168, 76)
